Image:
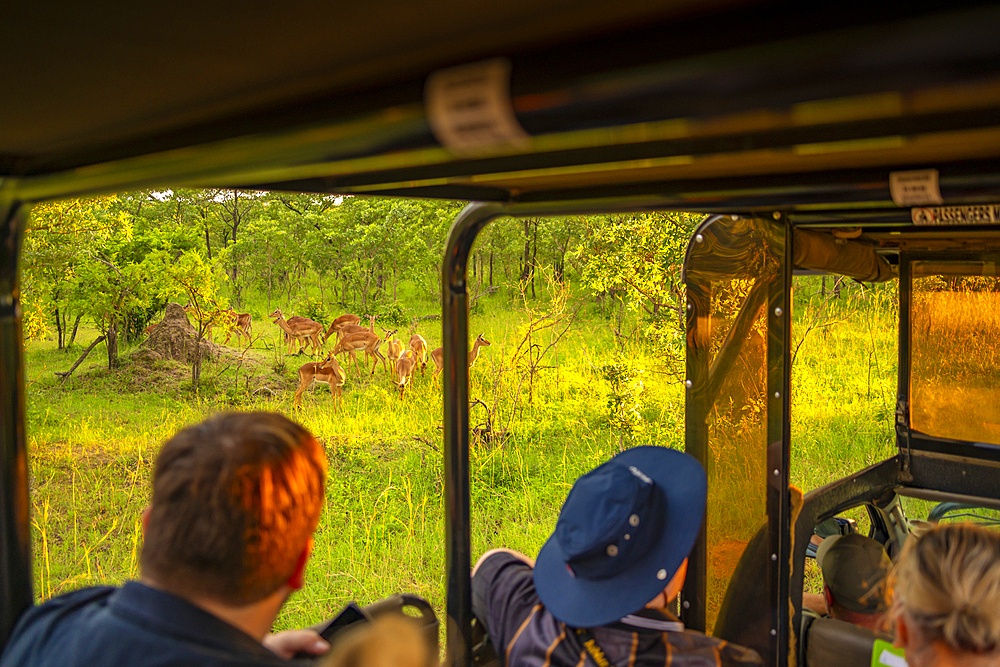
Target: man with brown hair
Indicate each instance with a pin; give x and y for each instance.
(227, 535)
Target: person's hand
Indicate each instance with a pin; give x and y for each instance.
(289, 642)
(816, 602)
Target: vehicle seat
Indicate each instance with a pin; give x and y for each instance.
(827, 642)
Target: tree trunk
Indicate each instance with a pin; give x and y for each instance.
(76, 326)
(80, 360)
(534, 259)
(111, 338)
(491, 268)
(196, 366)
(527, 251)
(208, 244)
(60, 334)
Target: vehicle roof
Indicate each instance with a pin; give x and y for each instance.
(721, 106)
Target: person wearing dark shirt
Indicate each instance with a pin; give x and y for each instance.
(227, 534)
(601, 589)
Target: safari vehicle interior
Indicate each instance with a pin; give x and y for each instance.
(862, 142)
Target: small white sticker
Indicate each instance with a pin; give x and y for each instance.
(956, 215)
(891, 660)
(469, 107)
(915, 188)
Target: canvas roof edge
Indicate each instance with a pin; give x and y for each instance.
(639, 109)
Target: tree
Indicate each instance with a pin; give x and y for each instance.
(58, 240)
(637, 258)
(193, 275)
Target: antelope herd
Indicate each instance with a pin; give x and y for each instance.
(354, 338)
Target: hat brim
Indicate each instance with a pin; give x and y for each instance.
(589, 603)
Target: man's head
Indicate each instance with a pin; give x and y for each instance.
(623, 534)
(854, 568)
(235, 501)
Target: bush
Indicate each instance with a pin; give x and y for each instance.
(314, 310)
(392, 313)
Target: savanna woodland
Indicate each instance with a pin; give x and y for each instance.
(585, 357)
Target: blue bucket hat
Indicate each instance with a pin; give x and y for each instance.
(622, 534)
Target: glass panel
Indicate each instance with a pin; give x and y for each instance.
(735, 262)
(955, 350)
(737, 438)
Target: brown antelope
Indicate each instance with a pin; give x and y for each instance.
(405, 365)
(238, 323)
(362, 341)
(419, 347)
(437, 356)
(345, 329)
(328, 371)
(393, 348)
(339, 322)
(299, 330)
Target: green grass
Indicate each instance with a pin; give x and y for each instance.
(93, 441)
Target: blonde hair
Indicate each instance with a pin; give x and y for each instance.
(389, 641)
(947, 584)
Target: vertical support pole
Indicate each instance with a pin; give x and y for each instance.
(15, 535)
(455, 337)
(779, 336)
(698, 297)
(903, 377)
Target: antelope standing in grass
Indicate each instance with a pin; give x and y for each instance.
(437, 356)
(393, 348)
(340, 322)
(345, 329)
(239, 324)
(419, 347)
(362, 341)
(299, 330)
(405, 365)
(328, 371)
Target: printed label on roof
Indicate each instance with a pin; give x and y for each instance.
(956, 215)
(915, 188)
(469, 107)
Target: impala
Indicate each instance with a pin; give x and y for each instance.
(345, 329)
(339, 322)
(437, 356)
(238, 323)
(301, 329)
(365, 341)
(393, 349)
(327, 371)
(404, 369)
(419, 347)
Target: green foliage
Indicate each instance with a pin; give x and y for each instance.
(624, 403)
(636, 259)
(313, 309)
(392, 313)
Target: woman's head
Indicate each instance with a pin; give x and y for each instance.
(947, 591)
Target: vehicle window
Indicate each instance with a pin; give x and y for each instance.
(844, 352)
(955, 350)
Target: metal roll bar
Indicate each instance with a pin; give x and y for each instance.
(15, 532)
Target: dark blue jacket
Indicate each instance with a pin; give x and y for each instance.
(134, 626)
